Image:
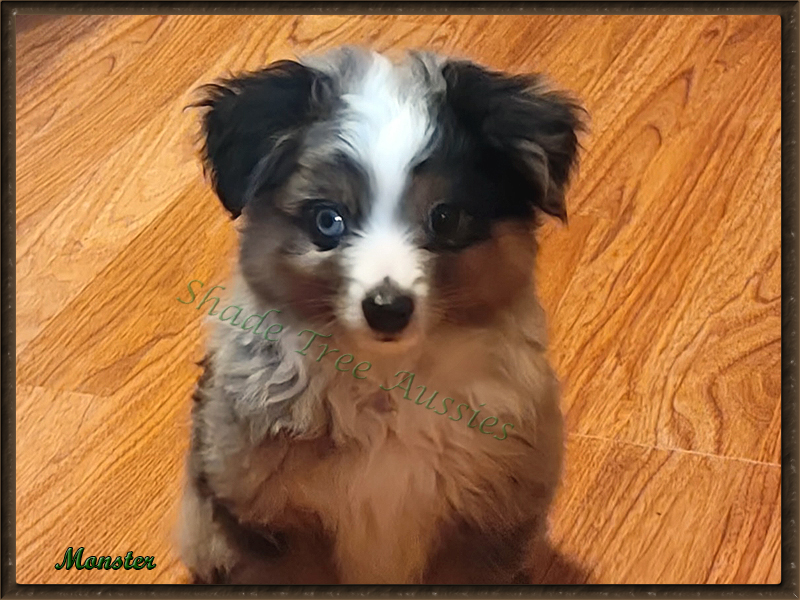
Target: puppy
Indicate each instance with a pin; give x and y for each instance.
(387, 214)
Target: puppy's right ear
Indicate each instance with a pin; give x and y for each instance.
(253, 127)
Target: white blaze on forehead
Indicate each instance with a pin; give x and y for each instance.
(386, 125)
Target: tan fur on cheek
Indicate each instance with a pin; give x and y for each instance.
(482, 280)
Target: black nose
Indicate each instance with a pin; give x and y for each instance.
(387, 310)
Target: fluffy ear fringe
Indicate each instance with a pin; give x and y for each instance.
(244, 117)
(535, 127)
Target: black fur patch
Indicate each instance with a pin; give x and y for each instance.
(522, 140)
(249, 119)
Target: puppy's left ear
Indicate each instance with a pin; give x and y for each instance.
(534, 128)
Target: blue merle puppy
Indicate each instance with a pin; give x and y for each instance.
(388, 209)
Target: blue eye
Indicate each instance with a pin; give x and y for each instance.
(329, 222)
(326, 224)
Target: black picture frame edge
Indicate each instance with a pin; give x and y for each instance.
(790, 119)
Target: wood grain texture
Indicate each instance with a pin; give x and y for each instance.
(663, 292)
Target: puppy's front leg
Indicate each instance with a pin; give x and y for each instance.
(367, 557)
(202, 542)
(388, 530)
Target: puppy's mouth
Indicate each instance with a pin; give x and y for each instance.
(390, 343)
(383, 337)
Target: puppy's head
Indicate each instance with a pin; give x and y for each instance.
(385, 198)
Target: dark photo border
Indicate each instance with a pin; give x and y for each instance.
(788, 11)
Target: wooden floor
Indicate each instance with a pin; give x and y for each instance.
(663, 291)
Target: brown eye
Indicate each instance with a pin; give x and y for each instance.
(445, 220)
(452, 228)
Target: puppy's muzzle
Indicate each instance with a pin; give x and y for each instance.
(387, 309)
